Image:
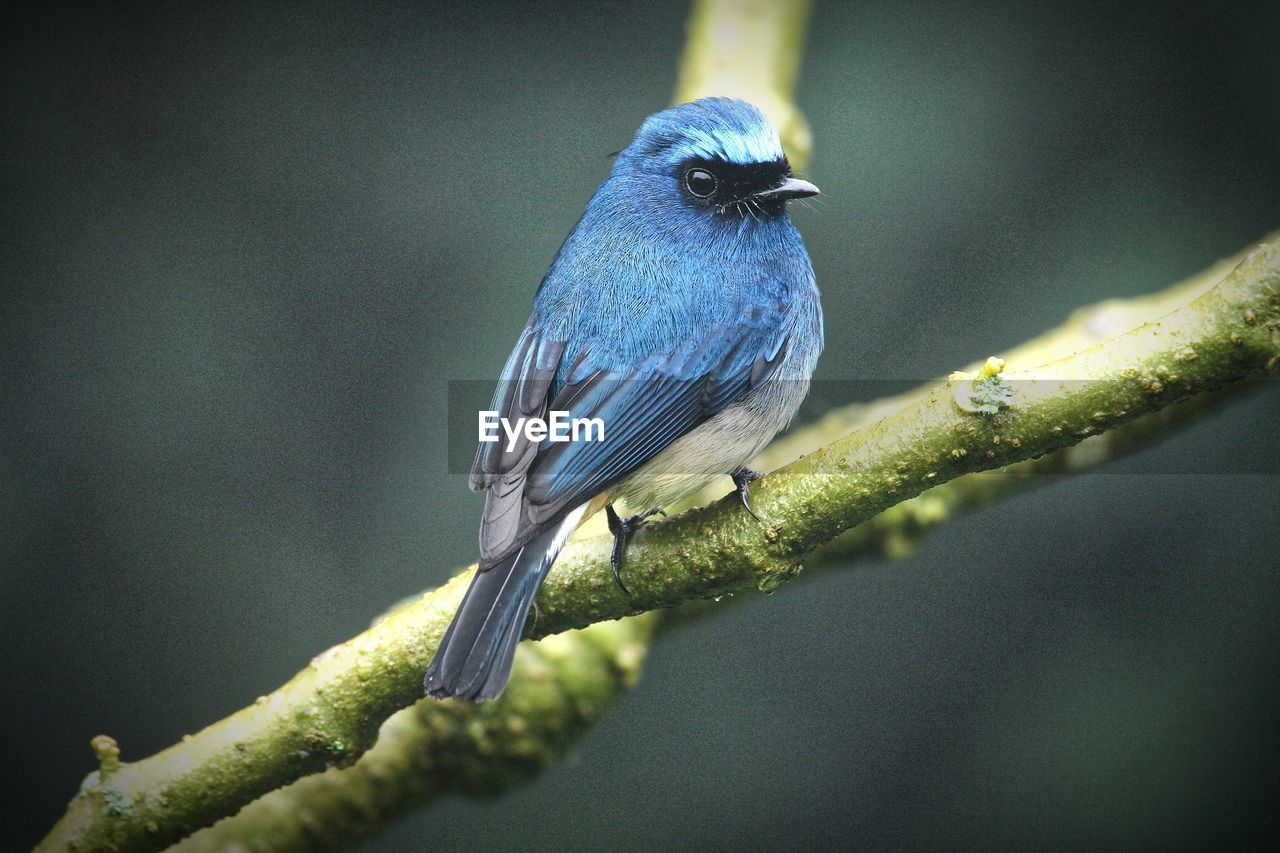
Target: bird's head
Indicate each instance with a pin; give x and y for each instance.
(715, 157)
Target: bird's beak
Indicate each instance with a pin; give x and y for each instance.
(790, 188)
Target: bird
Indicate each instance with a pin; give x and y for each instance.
(683, 313)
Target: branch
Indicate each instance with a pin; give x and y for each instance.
(330, 712)
(559, 688)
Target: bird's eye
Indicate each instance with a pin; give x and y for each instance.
(700, 182)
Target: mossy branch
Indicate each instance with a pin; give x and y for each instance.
(330, 712)
(559, 687)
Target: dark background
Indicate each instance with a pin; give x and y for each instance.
(245, 247)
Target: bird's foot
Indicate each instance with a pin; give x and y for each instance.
(743, 477)
(622, 530)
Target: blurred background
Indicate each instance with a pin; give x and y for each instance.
(246, 247)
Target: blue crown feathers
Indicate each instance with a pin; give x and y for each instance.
(710, 129)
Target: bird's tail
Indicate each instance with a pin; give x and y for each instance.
(474, 658)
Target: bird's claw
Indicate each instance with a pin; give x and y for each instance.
(743, 477)
(622, 530)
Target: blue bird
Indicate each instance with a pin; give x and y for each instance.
(682, 313)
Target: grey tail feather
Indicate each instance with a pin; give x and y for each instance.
(474, 658)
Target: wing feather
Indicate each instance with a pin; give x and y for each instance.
(644, 407)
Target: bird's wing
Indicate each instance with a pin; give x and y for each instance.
(646, 408)
(643, 407)
(522, 392)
